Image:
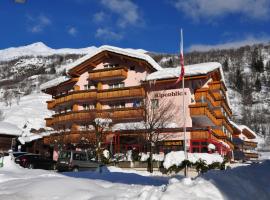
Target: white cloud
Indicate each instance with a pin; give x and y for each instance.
(39, 23)
(210, 9)
(72, 31)
(250, 40)
(125, 9)
(106, 34)
(99, 17)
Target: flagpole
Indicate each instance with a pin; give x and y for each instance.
(184, 109)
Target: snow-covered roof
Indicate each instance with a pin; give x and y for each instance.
(9, 129)
(140, 54)
(190, 70)
(54, 82)
(241, 128)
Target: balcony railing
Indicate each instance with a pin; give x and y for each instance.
(217, 85)
(219, 134)
(200, 110)
(118, 114)
(75, 96)
(132, 92)
(204, 95)
(122, 114)
(108, 74)
(251, 155)
(202, 135)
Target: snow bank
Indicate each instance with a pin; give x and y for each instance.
(156, 157)
(177, 157)
(10, 165)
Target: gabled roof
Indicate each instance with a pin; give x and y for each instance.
(126, 52)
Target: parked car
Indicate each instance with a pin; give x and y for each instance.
(18, 153)
(76, 161)
(35, 161)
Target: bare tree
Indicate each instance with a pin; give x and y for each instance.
(100, 126)
(158, 114)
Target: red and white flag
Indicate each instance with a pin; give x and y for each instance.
(182, 73)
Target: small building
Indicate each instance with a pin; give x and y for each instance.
(8, 135)
(244, 140)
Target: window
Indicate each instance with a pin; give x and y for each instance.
(137, 103)
(154, 103)
(118, 105)
(86, 106)
(117, 85)
(107, 66)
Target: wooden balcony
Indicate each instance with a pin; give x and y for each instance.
(121, 93)
(197, 135)
(226, 123)
(122, 114)
(83, 116)
(204, 95)
(249, 144)
(49, 122)
(217, 86)
(108, 74)
(251, 155)
(73, 116)
(202, 115)
(69, 137)
(75, 96)
(219, 134)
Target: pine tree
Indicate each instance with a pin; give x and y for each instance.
(258, 85)
(226, 65)
(239, 80)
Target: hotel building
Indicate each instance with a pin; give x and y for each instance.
(114, 82)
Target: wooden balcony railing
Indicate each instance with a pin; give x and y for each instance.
(219, 134)
(49, 122)
(108, 74)
(202, 135)
(204, 95)
(69, 137)
(250, 144)
(74, 96)
(119, 114)
(201, 110)
(73, 116)
(227, 124)
(251, 155)
(217, 86)
(122, 114)
(132, 92)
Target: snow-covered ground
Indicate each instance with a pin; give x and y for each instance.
(28, 114)
(247, 182)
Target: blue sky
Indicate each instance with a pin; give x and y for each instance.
(148, 24)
